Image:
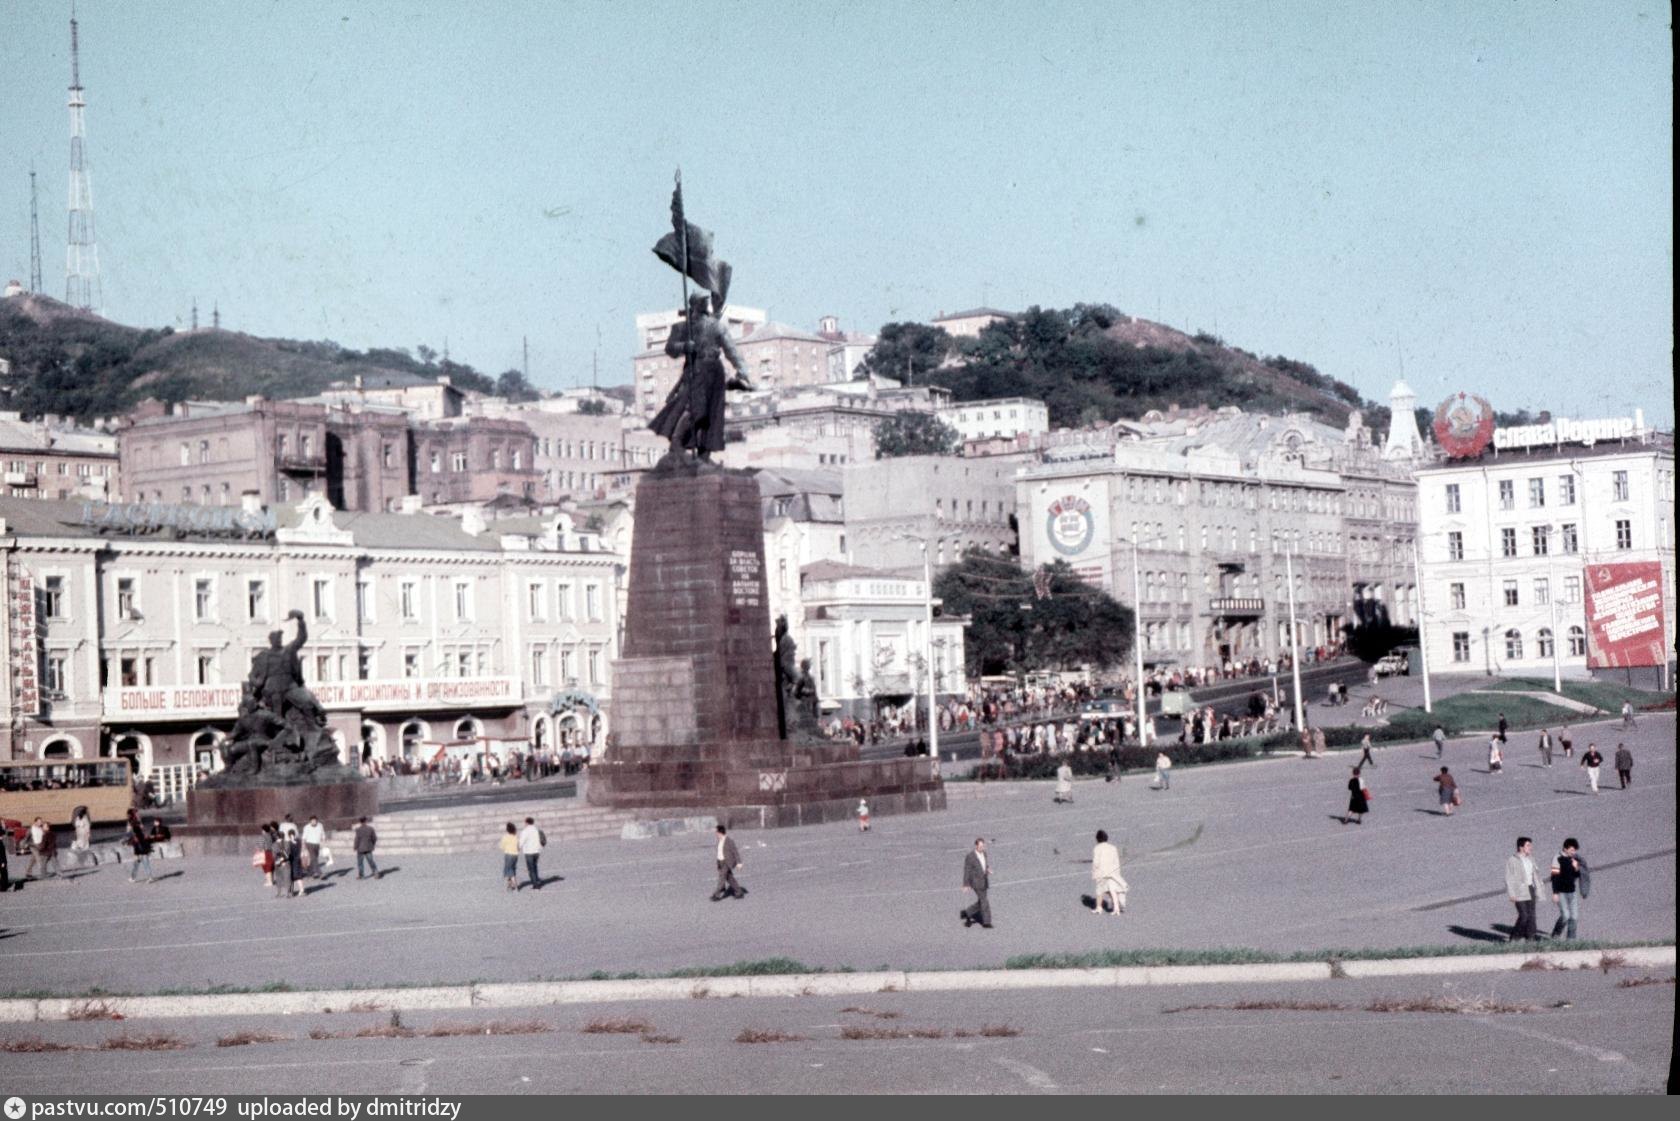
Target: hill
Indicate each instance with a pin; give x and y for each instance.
(75, 363)
(1092, 364)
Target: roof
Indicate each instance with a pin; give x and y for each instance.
(405, 531)
(33, 437)
(824, 570)
(776, 481)
(975, 313)
(769, 332)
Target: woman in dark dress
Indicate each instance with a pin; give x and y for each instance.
(1358, 804)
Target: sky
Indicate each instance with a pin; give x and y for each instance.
(1476, 195)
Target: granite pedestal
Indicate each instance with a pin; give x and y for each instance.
(694, 695)
(226, 820)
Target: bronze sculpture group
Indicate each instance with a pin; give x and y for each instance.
(281, 735)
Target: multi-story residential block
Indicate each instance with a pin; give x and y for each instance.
(584, 456)
(470, 460)
(819, 426)
(950, 503)
(654, 372)
(1514, 541)
(427, 635)
(1215, 511)
(1003, 418)
(53, 458)
(968, 324)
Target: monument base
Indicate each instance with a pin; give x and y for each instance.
(226, 820)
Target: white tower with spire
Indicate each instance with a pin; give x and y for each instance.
(81, 266)
(1404, 441)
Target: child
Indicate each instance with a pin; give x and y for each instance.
(863, 815)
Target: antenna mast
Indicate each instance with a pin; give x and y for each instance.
(81, 271)
(34, 236)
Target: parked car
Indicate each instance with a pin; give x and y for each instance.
(1393, 665)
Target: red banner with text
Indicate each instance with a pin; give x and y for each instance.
(1624, 615)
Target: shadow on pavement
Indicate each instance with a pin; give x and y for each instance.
(1481, 935)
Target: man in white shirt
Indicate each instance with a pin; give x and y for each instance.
(530, 847)
(314, 836)
(1522, 886)
(977, 877)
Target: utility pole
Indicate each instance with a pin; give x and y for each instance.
(1137, 644)
(1423, 639)
(1294, 640)
(525, 357)
(927, 624)
(34, 236)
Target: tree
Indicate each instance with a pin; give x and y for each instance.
(915, 434)
(592, 407)
(513, 385)
(907, 352)
(1012, 630)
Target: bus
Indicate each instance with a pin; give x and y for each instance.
(51, 789)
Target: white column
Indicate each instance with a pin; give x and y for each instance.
(1294, 639)
(1423, 639)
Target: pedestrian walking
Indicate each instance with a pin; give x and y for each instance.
(1570, 885)
(364, 842)
(1566, 743)
(140, 843)
(43, 851)
(1447, 792)
(1105, 875)
(1440, 738)
(1592, 761)
(1163, 772)
(1365, 759)
(1503, 728)
(1064, 783)
(314, 836)
(1359, 799)
(1627, 715)
(1624, 765)
(977, 877)
(1545, 747)
(263, 859)
(5, 868)
(291, 835)
(531, 843)
(509, 845)
(82, 822)
(1523, 888)
(281, 860)
(863, 815)
(728, 862)
(1496, 757)
(1320, 744)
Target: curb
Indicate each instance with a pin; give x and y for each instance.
(536, 993)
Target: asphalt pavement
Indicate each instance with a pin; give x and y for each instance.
(1250, 854)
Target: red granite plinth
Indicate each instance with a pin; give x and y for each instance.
(694, 696)
(337, 804)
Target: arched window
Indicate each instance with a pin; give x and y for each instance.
(1544, 640)
(466, 729)
(204, 751)
(1577, 642)
(1513, 645)
(413, 736)
(56, 749)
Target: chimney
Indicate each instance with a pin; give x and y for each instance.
(250, 502)
(472, 521)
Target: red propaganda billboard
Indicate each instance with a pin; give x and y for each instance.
(1464, 425)
(1624, 615)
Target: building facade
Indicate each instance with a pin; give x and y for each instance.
(52, 458)
(950, 503)
(1511, 542)
(426, 634)
(654, 373)
(1002, 418)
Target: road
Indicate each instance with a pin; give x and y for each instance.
(1246, 854)
(1557, 1033)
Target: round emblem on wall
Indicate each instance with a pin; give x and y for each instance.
(1463, 425)
(1070, 525)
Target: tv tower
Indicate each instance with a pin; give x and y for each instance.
(34, 237)
(81, 265)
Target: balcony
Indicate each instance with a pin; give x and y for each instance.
(295, 463)
(21, 479)
(1237, 607)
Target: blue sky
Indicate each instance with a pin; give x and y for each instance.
(1482, 191)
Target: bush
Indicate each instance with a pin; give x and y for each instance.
(1134, 758)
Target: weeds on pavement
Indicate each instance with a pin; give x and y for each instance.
(93, 1010)
(622, 1026)
(154, 1042)
(1640, 982)
(759, 1035)
(242, 1038)
(650, 1037)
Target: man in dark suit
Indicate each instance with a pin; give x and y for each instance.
(977, 877)
(728, 859)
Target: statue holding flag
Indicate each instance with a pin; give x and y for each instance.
(693, 416)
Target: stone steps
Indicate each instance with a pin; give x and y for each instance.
(480, 828)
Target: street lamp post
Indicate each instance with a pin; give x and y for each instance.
(1294, 640)
(927, 654)
(1423, 639)
(1137, 645)
(1551, 602)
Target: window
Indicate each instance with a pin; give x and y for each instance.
(435, 461)
(408, 597)
(1455, 545)
(364, 601)
(1461, 646)
(1510, 593)
(1624, 533)
(1455, 593)
(1571, 589)
(388, 455)
(1536, 493)
(52, 597)
(1571, 539)
(322, 597)
(463, 601)
(463, 663)
(1577, 642)
(256, 600)
(206, 668)
(125, 598)
(55, 676)
(1542, 591)
(563, 594)
(1455, 503)
(1541, 535)
(1507, 542)
(306, 445)
(411, 662)
(128, 670)
(204, 598)
(364, 663)
(594, 665)
(1513, 645)
(323, 667)
(458, 461)
(568, 666)
(536, 601)
(1566, 490)
(1544, 642)
(592, 603)
(1507, 494)
(186, 452)
(1619, 486)
(539, 666)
